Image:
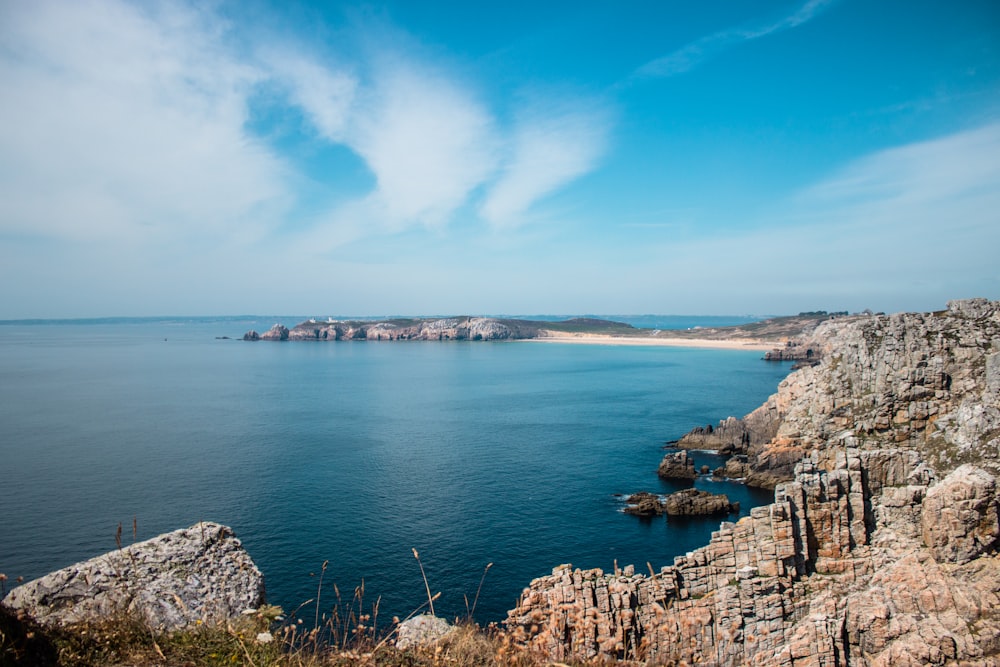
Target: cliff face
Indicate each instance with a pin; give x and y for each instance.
(880, 547)
(928, 382)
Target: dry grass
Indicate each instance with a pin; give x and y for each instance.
(258, 640)
(252, 641)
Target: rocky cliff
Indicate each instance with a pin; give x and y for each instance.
(881, 545)
(923, 381)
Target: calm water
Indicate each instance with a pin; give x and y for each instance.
(510, 453)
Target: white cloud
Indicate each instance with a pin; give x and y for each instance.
(918, 178)
(130, 121)
(325, 94)
(429, 143)
(126, 122)
(548, 150)
(904, 228)
(692, 54)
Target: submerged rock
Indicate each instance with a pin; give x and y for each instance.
(201, 573)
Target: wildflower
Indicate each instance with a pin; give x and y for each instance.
(264, 638)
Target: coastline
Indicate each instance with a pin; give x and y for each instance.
(603, 339)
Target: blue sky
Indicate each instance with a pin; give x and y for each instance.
(486, 158)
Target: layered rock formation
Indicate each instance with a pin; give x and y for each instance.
(881, 545)
(835, 572)
(201, 573)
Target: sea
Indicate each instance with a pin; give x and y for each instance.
(353, 454)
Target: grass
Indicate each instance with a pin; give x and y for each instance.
(347, 634)
(257, 640)
(309, 636)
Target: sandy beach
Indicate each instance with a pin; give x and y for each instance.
(600, 339)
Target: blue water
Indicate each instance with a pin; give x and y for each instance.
(353, 452)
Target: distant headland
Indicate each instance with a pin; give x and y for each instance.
(782, 336)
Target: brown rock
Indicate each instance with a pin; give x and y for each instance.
(960, 516)
(644, 504)
(693, 502)
(677, 466)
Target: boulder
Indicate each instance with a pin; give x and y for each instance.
(423, 630)
(959, 520)
(201, 573)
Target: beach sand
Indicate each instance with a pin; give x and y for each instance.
(600, 339)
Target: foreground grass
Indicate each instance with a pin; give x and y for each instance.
(257, 640)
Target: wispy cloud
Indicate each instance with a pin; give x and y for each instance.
(429, 143)
(914, 225)
(131, 121)
(691, 55)
(548, 149)
(325, 93)
(126, 122)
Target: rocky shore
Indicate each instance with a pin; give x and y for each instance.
(881, 545)
(880, 548)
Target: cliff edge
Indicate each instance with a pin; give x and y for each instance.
(881, 545)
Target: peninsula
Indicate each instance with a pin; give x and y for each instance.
(782, 336)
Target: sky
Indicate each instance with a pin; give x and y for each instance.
(454, 157)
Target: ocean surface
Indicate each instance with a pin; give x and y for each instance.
(355, 453)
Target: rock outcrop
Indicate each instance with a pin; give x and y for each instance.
(277, 332)
(677, 466)
(201, 573)
(794, 350)
(688, 502)
(881, 545)
(959, 521)
(834, 572)
(923, 381)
